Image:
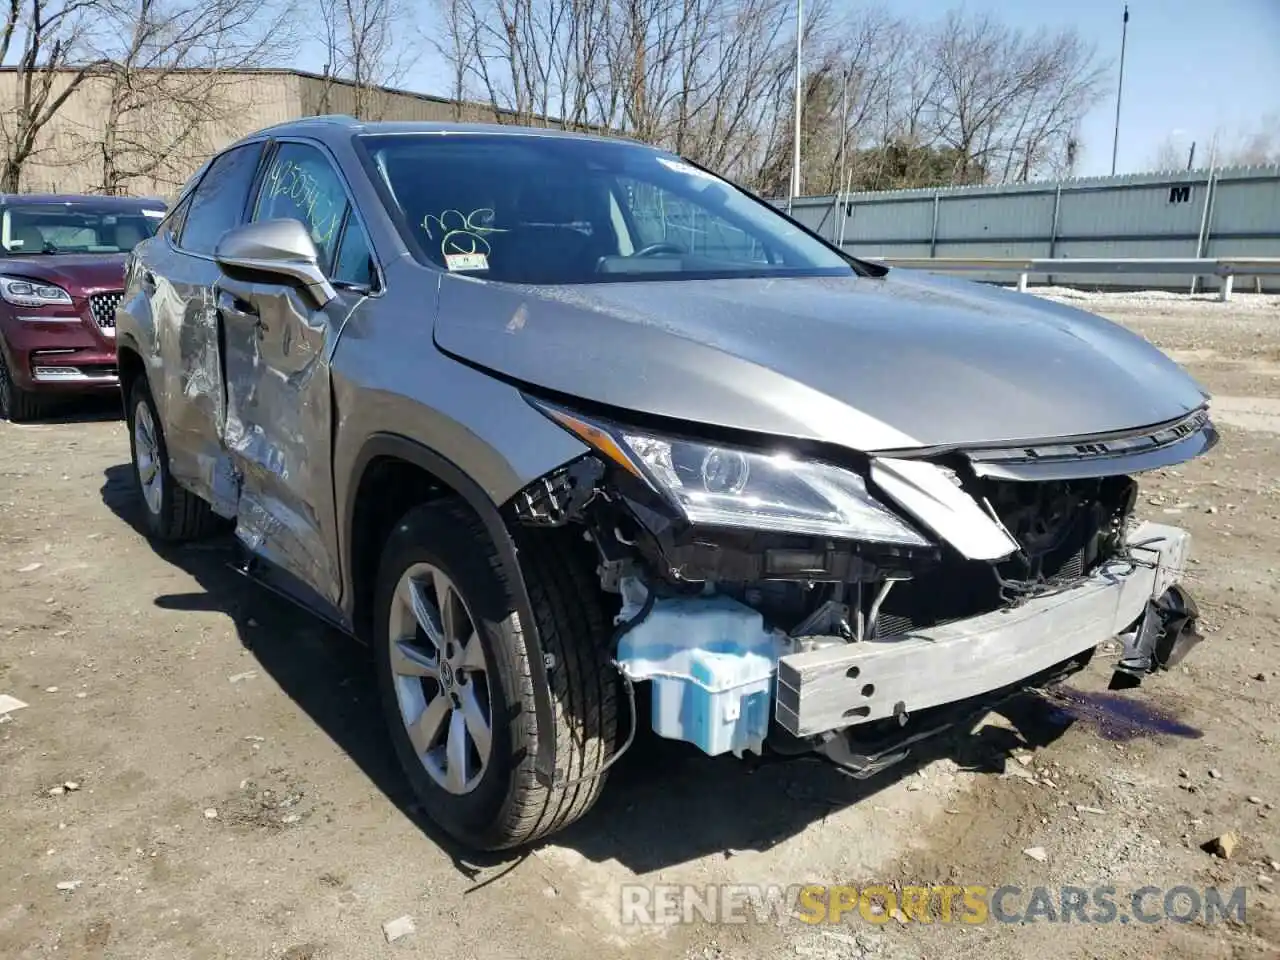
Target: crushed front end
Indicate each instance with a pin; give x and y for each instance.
(853, 605)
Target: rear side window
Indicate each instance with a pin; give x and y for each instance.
(171, 226)
(218, 201)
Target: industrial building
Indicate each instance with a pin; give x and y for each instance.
(157, 130)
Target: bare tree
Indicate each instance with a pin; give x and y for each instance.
(455, 44)
(171, 80)
(848, 96)
(1259, 146)
(48, 40)
(885, 100)
(534, 61)
(1006, 102)
(703, 77)
(1069, 163)
(368, 48)
(1168, 155)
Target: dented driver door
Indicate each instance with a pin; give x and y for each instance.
(278, 345)
(278, 424)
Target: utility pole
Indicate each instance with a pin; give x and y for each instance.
(844, 129)
(1124, 37)
(795, 160)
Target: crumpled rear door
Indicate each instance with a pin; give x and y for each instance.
(278, 424)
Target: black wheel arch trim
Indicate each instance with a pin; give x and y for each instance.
(411, 451)
(125, 343)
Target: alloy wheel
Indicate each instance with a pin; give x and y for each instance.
(441, 678)
(147, 456)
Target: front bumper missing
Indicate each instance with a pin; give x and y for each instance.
(835, 688)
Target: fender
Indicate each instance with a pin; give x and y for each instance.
(126, 343)
(411, 451)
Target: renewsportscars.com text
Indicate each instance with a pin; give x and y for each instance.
(671, 904)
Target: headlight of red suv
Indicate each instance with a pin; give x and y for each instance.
(33, 293)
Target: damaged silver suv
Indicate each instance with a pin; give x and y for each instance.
(559, 424)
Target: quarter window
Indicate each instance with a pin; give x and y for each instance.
(218, 202)
(355, 262)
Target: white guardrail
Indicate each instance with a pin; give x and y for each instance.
(1227, 268)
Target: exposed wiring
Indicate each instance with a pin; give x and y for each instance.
(618, 634)
(631, 735)
(874, 615)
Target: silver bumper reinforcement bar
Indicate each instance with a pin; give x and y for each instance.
(834, 688)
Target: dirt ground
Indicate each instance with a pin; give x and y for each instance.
(232, 793)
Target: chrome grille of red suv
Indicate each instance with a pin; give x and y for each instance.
(103, 307)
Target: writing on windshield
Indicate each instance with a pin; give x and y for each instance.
(549, 210)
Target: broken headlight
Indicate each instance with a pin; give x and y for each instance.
(732, 487)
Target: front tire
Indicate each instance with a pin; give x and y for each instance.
(455, 681)
(170, 512)
(16, 405)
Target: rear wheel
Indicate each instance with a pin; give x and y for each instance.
(170, 512)
(16, 405)
(456, 686)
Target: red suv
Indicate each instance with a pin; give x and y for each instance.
(61, 277)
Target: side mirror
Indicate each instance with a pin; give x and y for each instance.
(277, 250)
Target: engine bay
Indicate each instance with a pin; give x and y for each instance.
(804, 586)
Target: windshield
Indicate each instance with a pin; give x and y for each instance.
(75, 227)
(538, 209)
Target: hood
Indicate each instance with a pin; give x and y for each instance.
(909, 360)
(80, 274)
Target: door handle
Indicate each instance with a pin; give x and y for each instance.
(230, 304)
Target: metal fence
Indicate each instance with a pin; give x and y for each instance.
(1197, 214)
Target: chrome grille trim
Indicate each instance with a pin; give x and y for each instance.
(103, 307)
(1140, 441)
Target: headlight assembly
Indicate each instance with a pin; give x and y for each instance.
(33, 293)
(731, 487)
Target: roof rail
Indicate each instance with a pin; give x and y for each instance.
(315, 118)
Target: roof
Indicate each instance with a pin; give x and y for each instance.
(98, 200)
(341, 123)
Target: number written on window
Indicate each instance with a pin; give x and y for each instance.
(302, 185)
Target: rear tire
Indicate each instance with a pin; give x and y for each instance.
(171, 513)
(16, 405)
(502, 805)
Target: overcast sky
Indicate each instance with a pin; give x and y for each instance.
(1192, 67)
